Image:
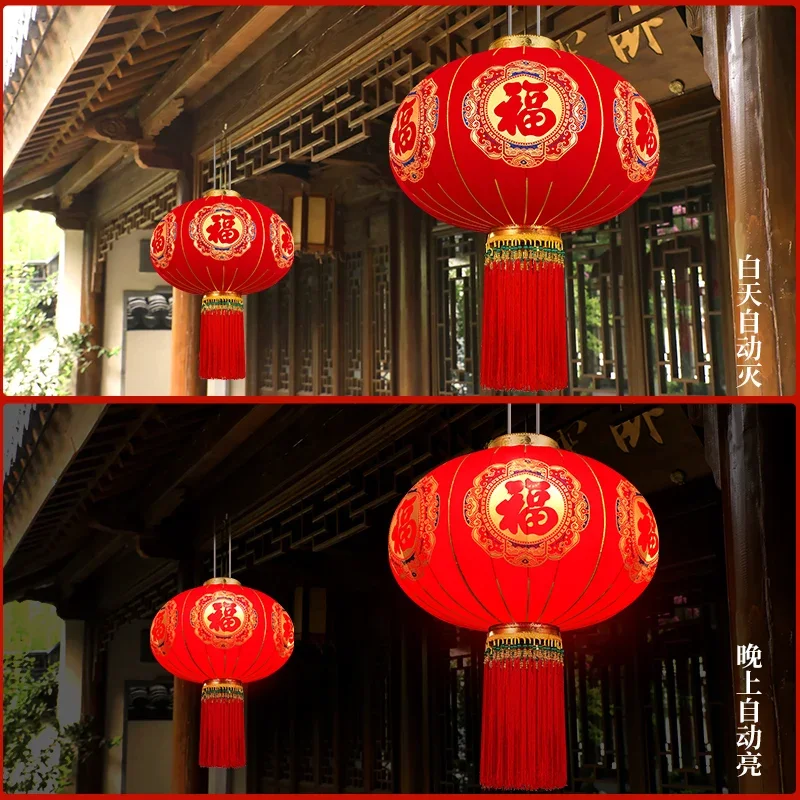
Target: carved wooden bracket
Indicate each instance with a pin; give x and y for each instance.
(114, 129)
(73, 218)
(149, 155)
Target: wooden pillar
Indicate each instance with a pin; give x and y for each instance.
(185, 380)
(749, 54)
(89, 381)
(187, 775)
(89, 778)
(750, 448)
(413, 352)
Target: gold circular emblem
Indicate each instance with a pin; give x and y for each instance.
(412, 532)
(636, 525)
(526, 511)
(223, 618)
(162, 631)
(282, 631)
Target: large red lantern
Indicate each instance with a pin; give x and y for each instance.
(222, 635)
(222, 246)
(523, 540)
(521, 143)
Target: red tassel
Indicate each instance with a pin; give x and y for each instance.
(523, 737)
(524, 339)
(222, 354)
(222, 740)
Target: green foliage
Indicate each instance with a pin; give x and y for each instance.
(36, 360)
(30, 626)
(29, 236)
(39, 755)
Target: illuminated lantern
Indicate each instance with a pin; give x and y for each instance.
(222, 635)
(521, 143)
(222, 246)
(523, 540)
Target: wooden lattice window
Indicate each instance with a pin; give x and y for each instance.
(456, 278)
(682, 295)
(596, 333)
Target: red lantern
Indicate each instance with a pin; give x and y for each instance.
(222, 246)
(222, 635)
(521, 143)
(523, 540)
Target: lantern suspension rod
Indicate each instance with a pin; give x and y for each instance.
(509, 418)
(508, 14)
(230, 559)
(538, 416)
(214, 556)
(538, 33)
(214, 175)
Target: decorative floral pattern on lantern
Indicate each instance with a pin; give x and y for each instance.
(222, 634)
(222, 231)
(280, 235)
(222, 246)
(529, 141)
(162, 243)
(638, 142)
(411, 137)
(162, 631)
(411, 534)
(223, 619)
(524, 113)
(638, 532)
(282, 631)
(522, 545)
(526, 511)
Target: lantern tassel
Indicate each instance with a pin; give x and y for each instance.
(524, 341)
(523, 737)
(222, 740)
(222, 354)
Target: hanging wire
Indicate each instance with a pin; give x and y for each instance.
(509, 418)
(538, 25)
(230, 558)
(214, 178)
(229, 160)
(538, 417)
(214, 557)
(508, 14)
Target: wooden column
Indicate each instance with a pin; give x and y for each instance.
(187, 775)
(89, 382)
(749, 54)
(750, 448)
(185, 380)
(412, 356)
(89, 777)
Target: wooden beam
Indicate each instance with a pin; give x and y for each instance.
(68, 429)
(71, 32)
(232, 33)
(100, 158)
(16, 197)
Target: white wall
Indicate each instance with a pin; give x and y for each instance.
(70, 271)
(125, 664)
(122, 274)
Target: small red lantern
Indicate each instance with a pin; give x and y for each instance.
(521, 143)
(222, 246)
(222, 635)
(523, 540)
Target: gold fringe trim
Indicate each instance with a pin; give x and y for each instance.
(527, 644)
(222, 301)
(222, 690)
(531, 245)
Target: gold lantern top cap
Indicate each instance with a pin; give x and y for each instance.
(221, 193)
(530, 439)
(222, 582)
(523, 40)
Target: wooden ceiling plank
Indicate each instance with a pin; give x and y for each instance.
(101, 157)
(69, 36)
(152, 38)
(230, 35)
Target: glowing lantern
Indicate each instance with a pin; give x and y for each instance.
(222, 635)
(222, 246)
(523, 540)
(521, 143)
